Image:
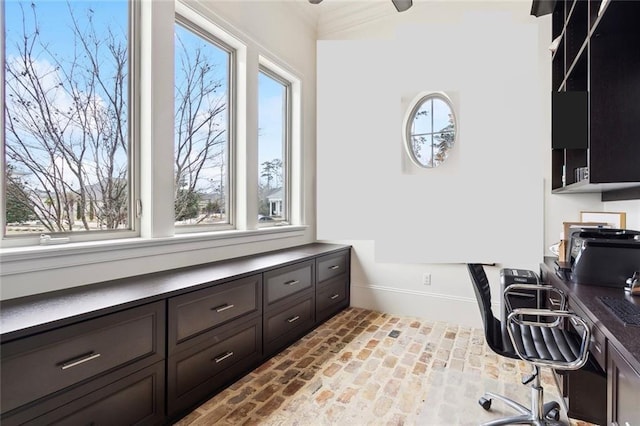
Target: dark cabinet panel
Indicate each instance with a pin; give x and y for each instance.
(587, 390)
(332, 265)
(615, 110)
(37, 366)
(287, 281)
(623, 388)
(137, 399)
(105, 391)
(198, 371)
(283, 326)
(331, 297)
(202, 310)
(569, 118)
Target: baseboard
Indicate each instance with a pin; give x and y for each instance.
(421, 304)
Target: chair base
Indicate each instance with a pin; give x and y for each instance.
(526, 416)
(539, 414)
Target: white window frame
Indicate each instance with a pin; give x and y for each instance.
(287, 141)
(293, 151)
(207, 33)
(133, 42)
(156, 243)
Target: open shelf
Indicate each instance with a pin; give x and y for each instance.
(595, 108)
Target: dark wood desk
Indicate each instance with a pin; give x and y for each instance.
(614, 347)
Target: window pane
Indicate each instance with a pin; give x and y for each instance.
(66, 116)
(272, 147)
(442, 117)
(423, 149)
(422, 123)
(201, 130)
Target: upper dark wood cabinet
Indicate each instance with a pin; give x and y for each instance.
(596, 85)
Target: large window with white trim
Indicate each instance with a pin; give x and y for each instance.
(203, 70)
(80, 157)
(66, 103)
(274, 140)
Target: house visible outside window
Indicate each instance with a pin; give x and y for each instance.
(67, 141)
(274, 117)
(74, 138)
(203, 70)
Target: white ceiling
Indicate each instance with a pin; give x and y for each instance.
(337, 15)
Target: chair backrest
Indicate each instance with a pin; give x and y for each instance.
(492, 328)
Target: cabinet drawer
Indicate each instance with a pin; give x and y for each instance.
(286, 281)
(201, 369)
(332, 295)
(332, 265)
(201, 310)
(136, 399)
(39, 365)
(297, 317)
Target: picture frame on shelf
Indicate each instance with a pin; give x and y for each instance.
(616, 220)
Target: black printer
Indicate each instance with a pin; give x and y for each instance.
(603, 257)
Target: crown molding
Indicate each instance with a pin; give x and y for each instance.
(338, 15)
(304, 10)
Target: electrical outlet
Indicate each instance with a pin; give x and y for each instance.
(426, 278)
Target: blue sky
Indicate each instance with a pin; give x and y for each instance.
(55, 28)
(54, 20)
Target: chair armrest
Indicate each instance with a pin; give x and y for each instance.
(517, 318)
(511, 290)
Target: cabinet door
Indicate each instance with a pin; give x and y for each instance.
(623, 384)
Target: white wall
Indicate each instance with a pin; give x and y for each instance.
(489, 202)
(269, 29)
(630, 207)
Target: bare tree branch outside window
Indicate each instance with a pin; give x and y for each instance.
(66, 116)
(201, 137)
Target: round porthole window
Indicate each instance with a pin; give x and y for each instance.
(430, 130)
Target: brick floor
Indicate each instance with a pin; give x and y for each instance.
(369, 368)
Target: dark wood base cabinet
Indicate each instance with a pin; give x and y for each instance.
(160, 345)
(606, 391)
(623, 388)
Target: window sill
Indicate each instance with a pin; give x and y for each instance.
(39, 258)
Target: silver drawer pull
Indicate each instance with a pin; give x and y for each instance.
(335, 296)
(80, 360)
(597, 348)
(222, 308)
(292, 282)
(223, 357)
(294, 319)
(334, 267)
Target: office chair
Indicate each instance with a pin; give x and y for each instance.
(541, 342)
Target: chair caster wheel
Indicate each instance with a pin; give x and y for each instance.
(554, 415)
(485, 403)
